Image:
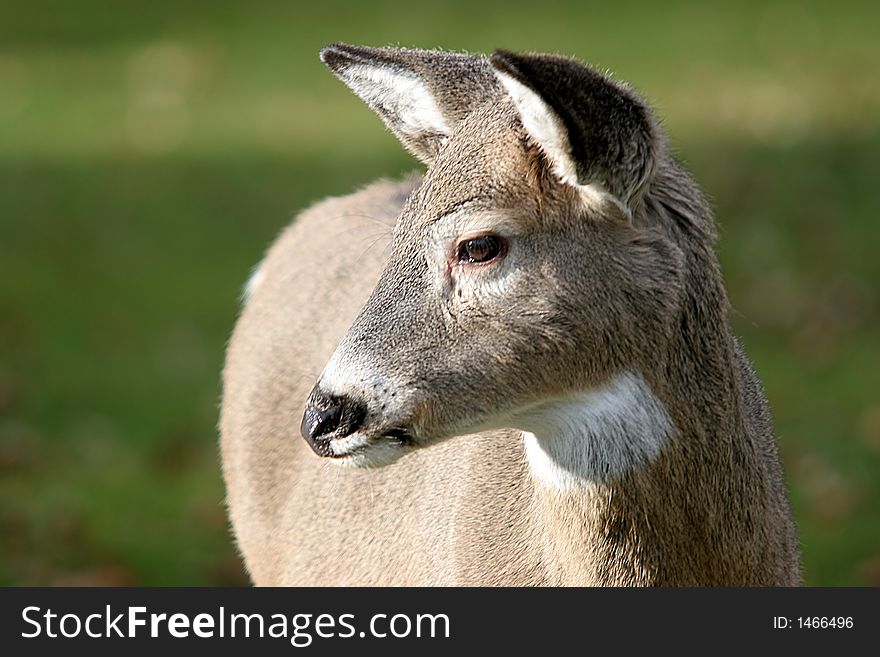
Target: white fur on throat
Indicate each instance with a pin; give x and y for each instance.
(403, 92)
(595, 436)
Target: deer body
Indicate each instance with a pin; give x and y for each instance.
(531, 378)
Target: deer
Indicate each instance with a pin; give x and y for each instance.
(513, 369)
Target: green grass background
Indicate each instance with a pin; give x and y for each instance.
(150, 151)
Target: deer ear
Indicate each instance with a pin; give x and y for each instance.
(420, 94)
(593, 131)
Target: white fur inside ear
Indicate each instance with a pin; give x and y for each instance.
(544, 126)
(400, 93)
(546, 129)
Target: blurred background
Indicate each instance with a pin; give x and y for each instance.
(150, 151)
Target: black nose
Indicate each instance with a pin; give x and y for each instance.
(330, 416)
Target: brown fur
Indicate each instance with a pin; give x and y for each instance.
(605, 292)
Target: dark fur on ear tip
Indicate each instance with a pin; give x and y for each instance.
(504, 61)
(334, 55)
(338, 56)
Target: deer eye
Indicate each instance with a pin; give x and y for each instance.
(481, 249)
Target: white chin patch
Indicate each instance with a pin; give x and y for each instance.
(595, 436)
(357, 451)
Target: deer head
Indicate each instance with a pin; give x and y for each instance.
(526, 271)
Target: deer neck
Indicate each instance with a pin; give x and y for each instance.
(576, 449)
(610, 465)
(596, 435)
